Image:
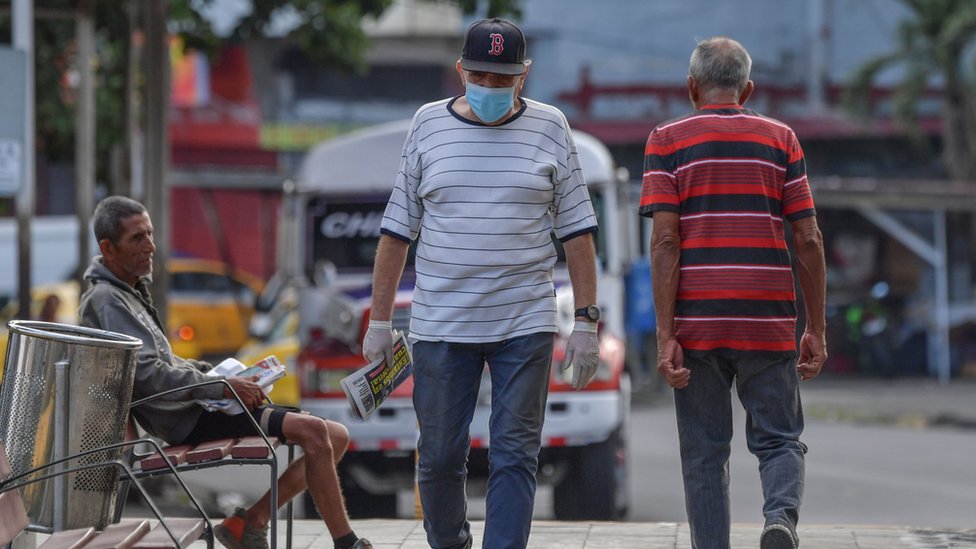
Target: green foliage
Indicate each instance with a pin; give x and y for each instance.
(328, 31)
(495, 8)
(53, 112)
(937, 44)
(54, 74)
(331, 33)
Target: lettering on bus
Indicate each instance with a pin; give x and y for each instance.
(351, 225)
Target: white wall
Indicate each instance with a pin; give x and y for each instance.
(54, 251)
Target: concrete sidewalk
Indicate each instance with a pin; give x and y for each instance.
(409, 534)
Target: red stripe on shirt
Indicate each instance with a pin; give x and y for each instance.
(727, 136)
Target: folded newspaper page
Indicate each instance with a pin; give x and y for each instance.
(269, 369)
(368, 387)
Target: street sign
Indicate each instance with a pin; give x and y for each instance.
(14, 70)
(10, 161)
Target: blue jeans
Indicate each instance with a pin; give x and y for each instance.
(770, 394)
(446, 380)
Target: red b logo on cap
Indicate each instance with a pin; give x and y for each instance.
(497, 44)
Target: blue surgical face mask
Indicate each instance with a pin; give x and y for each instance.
(489, 104)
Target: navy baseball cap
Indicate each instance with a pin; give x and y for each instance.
(494, 45)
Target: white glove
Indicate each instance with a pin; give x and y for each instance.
(378, 341)
(583, 353)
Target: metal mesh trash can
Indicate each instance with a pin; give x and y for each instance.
(66, 389)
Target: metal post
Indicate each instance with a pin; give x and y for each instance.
(941, 297)
(290, 510)
(60, 442)
(131, 182)
(819, 32)
(274, 499)
(23, 39)
(84, 133)
(156, 77)
(287, 213)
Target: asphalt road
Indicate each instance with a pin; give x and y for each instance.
(856, 473)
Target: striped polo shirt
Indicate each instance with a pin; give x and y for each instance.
(483, 202)
(733, 176)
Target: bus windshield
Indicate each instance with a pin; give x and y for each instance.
(345, 232)
(342, 232)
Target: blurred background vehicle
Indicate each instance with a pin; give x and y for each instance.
(274, 331)
(56, 302)
(210, 309)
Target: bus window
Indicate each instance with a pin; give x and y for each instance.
(343, 233)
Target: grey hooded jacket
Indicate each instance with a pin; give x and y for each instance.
(111, 304)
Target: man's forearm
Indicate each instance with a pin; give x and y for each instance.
(581, 261)
(391, 256)
(812, 274)
(665, 263)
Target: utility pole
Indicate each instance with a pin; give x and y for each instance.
(130, 181)
(156, 78)
(23, 39)
(84, 131)
(819, 36)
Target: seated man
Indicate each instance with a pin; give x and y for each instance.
(118, 300)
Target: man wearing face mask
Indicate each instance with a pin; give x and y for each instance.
(486, 179)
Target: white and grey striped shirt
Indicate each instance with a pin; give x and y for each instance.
(484, 202)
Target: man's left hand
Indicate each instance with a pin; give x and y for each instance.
(813, 354)
(583, 353)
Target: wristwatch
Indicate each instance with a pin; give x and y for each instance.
(591, 313)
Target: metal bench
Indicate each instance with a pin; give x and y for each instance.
(252, 450)
(128, 534)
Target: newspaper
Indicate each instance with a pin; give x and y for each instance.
(269, 369)
(368, 387)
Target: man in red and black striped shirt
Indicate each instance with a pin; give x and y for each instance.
(721, 183)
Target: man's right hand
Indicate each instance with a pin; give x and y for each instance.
(378, 341)
(671, 364)
(247, 388)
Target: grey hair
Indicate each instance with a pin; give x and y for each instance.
(720, 63)
(108, 216)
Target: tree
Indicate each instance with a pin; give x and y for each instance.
(493, 8)
(935, 45)
(329, 32)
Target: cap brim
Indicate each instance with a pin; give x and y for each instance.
(497, 68)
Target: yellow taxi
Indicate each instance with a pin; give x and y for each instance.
(50, 302)
(210, 308)
(278, 335)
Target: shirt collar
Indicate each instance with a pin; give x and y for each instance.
(712, 106)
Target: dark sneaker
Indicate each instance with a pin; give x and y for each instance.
(466, 544)
(777, 536)
(234, 533)
(362, 543)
